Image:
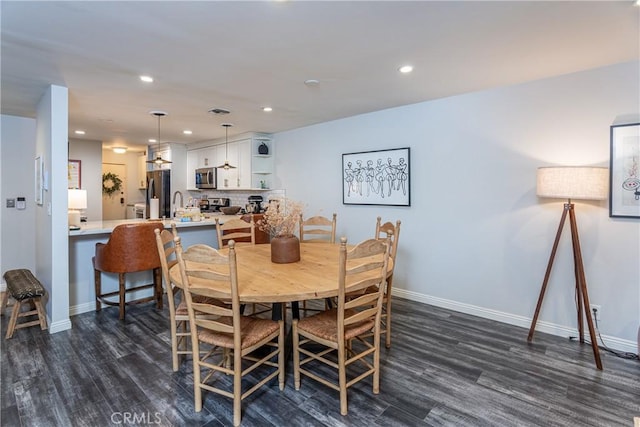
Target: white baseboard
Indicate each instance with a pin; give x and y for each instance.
(60, 326)
(82, 308)
(616, 343)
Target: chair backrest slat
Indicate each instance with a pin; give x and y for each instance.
(363, 268)
(318, 226)
(382, 230)
(200, 267)
(235, 229)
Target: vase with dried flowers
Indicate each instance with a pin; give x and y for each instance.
(280, 220)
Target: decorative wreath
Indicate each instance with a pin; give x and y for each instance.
(110, 183)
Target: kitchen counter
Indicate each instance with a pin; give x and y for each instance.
(82, 247)
(103, 227)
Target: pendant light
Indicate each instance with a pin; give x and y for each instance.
(158, 160)
(226, 165)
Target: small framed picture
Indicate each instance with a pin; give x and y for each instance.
(624, 170)
(39, 180)
(380, 177)
(74, 174)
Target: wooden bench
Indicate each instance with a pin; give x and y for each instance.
(23, 286)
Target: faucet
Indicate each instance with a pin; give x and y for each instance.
(174, 201)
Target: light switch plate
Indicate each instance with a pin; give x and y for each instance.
(11, 203)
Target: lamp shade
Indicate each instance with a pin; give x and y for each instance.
(77, 199)
(573, 182)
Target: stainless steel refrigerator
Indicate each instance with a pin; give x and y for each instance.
(159, 185)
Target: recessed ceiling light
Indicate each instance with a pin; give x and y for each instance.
(312, 82)
(267, 109)
(146, 79)
(187, 132)
(406, 69)
(152, 140)
(79, 132)
(119, 150)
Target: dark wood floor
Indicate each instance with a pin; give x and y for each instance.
(444, 368)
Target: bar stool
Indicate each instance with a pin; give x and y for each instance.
(131, 248)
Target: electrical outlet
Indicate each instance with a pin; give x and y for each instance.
(596, 312)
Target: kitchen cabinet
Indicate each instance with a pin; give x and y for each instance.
(251, 167)
(165, 152)
(239, 155)
(142, 172)
(261, 164)
(192, 165)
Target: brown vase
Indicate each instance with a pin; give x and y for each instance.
(285, 249)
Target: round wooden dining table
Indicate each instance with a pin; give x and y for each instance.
(260, 280)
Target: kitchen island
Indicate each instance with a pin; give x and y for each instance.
(82, 244)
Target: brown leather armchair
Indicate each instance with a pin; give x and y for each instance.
(131, 248)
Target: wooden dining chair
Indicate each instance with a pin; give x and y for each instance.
(178, 313)
(200, 268)
(236, 229)
(350, 332)
(318, 228)
(382, 232)
(240, 229)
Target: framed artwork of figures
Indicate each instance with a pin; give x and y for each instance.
(74, 174)
(380, 177)
(624, 170)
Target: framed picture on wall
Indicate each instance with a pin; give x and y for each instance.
(624, 170)
(380, 177)
(74, 175)
(39, 180)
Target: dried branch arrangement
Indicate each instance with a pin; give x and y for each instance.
(281, 217)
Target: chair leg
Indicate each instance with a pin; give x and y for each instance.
(197, 377)
(3, 304)
(387, 335)
(281, 356)
(376, 361)
(296, 354)
(13, 319)
(41, 316)
(121, 294)
(157, 281)
(174, 346)
(342, 378)
(237, 387)
(97, 280)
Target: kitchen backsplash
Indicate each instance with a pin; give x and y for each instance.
(238, 197)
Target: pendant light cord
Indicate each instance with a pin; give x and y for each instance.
(226, 143)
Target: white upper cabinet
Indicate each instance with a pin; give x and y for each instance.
(142, 171)
(261, 162)
(252, 169)
(192, 165)
(164, 152)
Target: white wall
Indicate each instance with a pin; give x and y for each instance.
(17, 154)
(130, 160)
(51, 225)
(476, 238)
(90, 155)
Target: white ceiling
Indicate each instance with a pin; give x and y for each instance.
(242, 56)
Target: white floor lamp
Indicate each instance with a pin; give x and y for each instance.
(579, 183)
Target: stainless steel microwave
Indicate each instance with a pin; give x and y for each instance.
(206, 178)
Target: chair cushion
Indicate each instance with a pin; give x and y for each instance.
(182, 310)
(254, 330)
(325, 325)
(22, 284)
